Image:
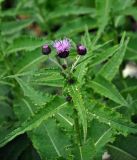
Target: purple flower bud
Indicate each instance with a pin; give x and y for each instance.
(62, 47)
(81, 50)
(46, 49)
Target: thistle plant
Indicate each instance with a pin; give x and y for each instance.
(68, 80)
(67, 119)
(63, 49)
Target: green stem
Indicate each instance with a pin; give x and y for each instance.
(77, 127)
(65, 62)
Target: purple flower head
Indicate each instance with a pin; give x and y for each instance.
(62, 47)
(46, 49)
(81, 50)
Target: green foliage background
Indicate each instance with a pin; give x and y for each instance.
(36, 121)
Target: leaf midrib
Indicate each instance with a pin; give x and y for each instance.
(112, 121)
(122, 151)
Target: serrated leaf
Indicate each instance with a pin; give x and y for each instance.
(14, 26)
(64, 118)
(54, 83)
(123, 148)
(67, 11)
(100, 134)
(120, 6)
(14, 11)
(33, 122)
(105, 138)
(120, 154)
(29, 61)
(112, 118)
(131, 49)
(53, 143)
(79, 106)
(100, 57)
(51, 146)
(23, 109)
(26, 43)
(85, 152)
(110, 69)
(107, 89)
(49, 78)
(103, 10)
(81, 71)
(76, 26)
(36, 97)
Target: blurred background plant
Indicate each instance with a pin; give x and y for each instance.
(31, 86)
